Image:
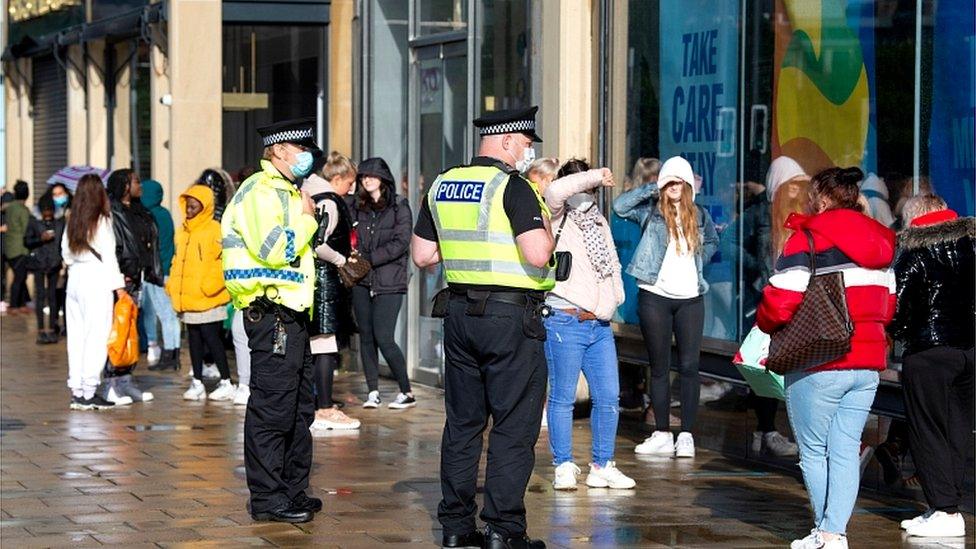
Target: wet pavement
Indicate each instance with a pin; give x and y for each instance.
(170, 473)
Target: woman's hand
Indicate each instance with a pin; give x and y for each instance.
(607, 178)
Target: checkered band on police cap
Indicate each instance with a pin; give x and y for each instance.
(287, 136)
(517, 126)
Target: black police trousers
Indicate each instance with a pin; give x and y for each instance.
(492, 370)
(277, 441)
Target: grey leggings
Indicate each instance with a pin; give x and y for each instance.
(685, 318)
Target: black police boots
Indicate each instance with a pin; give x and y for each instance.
(496, 540)
(286, 513)
(471, 539)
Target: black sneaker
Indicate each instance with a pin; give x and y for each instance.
(79, 403)
(403, 400)
(99, 403)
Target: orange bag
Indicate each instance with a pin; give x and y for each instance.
(123, 341)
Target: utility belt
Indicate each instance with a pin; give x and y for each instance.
(533, 305)
(263, 306)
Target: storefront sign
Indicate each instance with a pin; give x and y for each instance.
(953, 105)
(699, 94)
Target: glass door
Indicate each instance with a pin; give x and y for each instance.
(439, 139)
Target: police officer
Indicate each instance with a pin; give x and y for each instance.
(268, 268)
(490, 228)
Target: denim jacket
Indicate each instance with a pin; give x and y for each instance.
(640, 206)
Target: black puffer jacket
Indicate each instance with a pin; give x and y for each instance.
(332, 309)
(383, 232)
(935, 271)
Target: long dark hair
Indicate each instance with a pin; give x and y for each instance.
(118, 183)
(365, 200)
(91, 205)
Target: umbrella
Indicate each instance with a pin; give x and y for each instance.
(69, 175)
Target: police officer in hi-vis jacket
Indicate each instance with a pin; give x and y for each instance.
(490, 228)
(269, 271)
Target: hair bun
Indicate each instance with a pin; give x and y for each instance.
(851, 176)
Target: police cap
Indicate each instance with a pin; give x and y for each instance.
(300, 131)
(509, 121)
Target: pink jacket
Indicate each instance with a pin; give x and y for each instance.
(584, 288)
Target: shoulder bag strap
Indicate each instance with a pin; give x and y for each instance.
(813, 253)
(559, 231)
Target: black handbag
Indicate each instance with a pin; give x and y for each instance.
(564, 259)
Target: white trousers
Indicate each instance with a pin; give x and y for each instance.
(88, 318)
(242, 351)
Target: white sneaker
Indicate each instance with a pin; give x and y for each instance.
(608, 476)
(153, 352)
(907, 523)
(939, 525)
(210, 371)
(565, 478)
(815, 540)
(685, 447)
(774, 444)
(334, 419)
(373, 400)
(242, 395)
(661, 443)
(196, 391)
(403, 400)
(225, 391)
(114, 397)
(147, 396)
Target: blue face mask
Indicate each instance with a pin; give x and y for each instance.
(61, 201)
(303, 164)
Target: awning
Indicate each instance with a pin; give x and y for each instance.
(123, 26)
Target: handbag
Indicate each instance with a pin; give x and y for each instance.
(123, 340)
(750, 360)
(820, 331)
(355, 269)
(564, 259)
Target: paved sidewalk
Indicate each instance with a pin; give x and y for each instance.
(170, 473)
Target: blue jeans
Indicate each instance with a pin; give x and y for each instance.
(573, 346)
(828, 411)
(155, 303)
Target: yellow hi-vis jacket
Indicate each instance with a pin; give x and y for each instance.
(474, 233)
(266, 243)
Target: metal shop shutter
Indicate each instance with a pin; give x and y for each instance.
(50, 111)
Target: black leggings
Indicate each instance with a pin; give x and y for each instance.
(203, 338)
(323, 376)
(46, 293)
(685, 318)
(18, 288)
(377, 319)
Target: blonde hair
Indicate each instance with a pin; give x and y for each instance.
(546, 167)
(921, 204)
(689, 217)
(337, 165)
(645, 169)
(782, 207)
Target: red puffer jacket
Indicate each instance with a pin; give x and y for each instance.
(862, 249)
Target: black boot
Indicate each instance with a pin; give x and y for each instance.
(168, 359)
(497, 540)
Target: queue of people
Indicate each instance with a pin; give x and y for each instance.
(534, 280)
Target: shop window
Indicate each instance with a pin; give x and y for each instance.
(504, 46)
(437, 16)
(270, 73)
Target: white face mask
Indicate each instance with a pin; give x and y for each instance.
(528, 157)
(581, 201)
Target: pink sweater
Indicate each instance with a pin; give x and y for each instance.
(584, 288)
